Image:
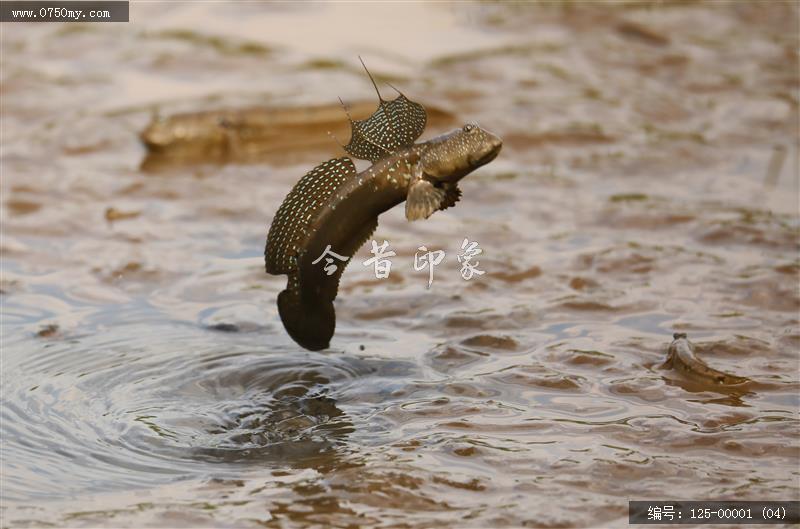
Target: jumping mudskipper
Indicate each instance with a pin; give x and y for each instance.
(334, 208)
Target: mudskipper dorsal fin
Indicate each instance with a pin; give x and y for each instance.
(289, 229)
(395, 124)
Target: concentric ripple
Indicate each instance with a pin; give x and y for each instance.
(116, 415)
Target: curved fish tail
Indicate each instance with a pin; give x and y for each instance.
(310, 323)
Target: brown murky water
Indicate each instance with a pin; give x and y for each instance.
(648, 185)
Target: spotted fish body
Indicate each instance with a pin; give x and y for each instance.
(334, 205)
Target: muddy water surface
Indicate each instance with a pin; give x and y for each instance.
(648, 185)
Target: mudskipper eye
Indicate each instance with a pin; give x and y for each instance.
(468, 127)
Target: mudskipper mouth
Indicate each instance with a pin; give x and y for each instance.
(489, 156)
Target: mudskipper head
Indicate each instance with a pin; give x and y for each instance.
(451, 157)
(444, 161)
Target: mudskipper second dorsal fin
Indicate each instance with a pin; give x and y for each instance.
(289, 230)
(395, 124)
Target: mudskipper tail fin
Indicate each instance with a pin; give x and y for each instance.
(310, 324)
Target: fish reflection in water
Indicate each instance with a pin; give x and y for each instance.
(287, 428)
(225, 409)
(285, 409)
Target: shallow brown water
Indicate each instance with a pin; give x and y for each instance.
(648, 184)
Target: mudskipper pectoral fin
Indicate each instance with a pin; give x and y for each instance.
(452, 194)
(423, 200)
